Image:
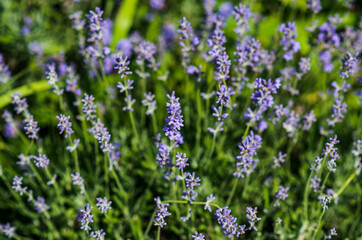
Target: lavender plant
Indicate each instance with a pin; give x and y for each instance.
(180, 120)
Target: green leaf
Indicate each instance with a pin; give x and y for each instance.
(124, 20)
(24, 91)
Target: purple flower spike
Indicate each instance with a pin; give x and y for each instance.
(65, 125)
(174, 119)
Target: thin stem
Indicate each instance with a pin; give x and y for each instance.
(149, 225)
(40, 180)
(154, 123)
(75, 155)
(158, 233)
(319, 224)
(56, 187)
(345, 185)
(232, 191)
(106, 178)
(245, 186)
(305, 197)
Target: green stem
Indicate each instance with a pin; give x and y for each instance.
(345, 185)
(232, 191)
(305, 197)
(106, 178)
(40, 180)
(56, 187)
(75, 155)
(158, 233)
(245, 186)
(149, 225)
(319, 224)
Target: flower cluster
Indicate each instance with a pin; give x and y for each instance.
(53, 79)
(349, 65)
(41, 161)
(103, 204)
(7, 229)
(246, 163)
(40, 205)
(174, 120)
(161, 213)
(191, 182)
(88, 106)
(228, 222)
(78, 180)
(17, 185)
(281, 194)
(290, 45)
(65, 125)
(241, 15)
(85, 217)
(252, 218)
(331, 232)
(5, 73)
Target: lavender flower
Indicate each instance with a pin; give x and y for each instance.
(163, 155)
(349, 65)
(88, 106)
(174, 119)
(331, 232)
(218, 113)
(315, 184)
(191, 181)
(40, 205)
(338, 109)
(290, 45)
(85, 217)
(122, 66)
(31, 128)
(224, 95)
(228, 223)
(337, 89)
(209, 199)
(8, 230)
(161, 213)
(17, 185)
(129, 103)
(41, 161)
(198, 236)
(52, 77)
(324, 201)
(223, 67)
(103, 204)
(308, 118)
(316, 164)
(74, 146)
(157, 4)
(281, 194)
(5, 73)
(181, 161)
(304, 65)
(77, 22)
(65, 125)
(216, 43)
(248, 54)
(95, 30)
(126, 87)
(218, 128)
(21, 106)
(246, 163)
(262, 96)
(252, 218)
(150, 103)
(314, 5)
(241, 15)
(99, 234)
(24, 160)
(78, 180)
(279, 160)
